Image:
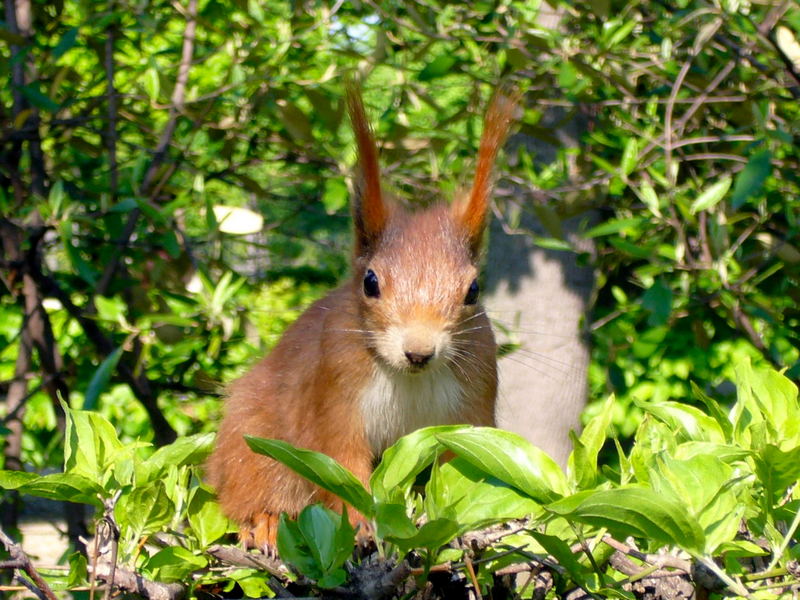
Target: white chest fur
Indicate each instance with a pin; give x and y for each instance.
(394, 404)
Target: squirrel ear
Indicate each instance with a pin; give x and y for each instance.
(471, 211)
(369, 210)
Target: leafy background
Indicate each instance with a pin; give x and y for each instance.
(124, 125)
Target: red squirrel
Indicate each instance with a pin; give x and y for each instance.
(403, 344)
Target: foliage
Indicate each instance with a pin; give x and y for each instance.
(715, 489)
(132, 288)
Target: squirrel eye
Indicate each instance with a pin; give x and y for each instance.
(371, 287)
(472, 293)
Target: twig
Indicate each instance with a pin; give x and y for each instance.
(654, 559)
(238, 557)
(23, 563)
(472, 577)
(160, 154)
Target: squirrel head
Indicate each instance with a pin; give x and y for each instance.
(415, 272)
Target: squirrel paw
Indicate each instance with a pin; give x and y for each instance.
(262, 534)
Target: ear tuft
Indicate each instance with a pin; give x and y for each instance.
(471, 213)
(369, 210)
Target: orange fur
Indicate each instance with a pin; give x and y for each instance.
(357, 370)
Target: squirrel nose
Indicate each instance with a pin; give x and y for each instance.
(418, 359)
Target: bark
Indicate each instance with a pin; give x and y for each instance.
(541, 297)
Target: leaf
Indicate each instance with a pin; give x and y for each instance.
(205, 517)
(66, 42)
(715, 411)
(174, 563)
(614, 226)
(188, 450)
(583, 459)
(510, 458)
(334, 197)
(317, 468)
(629, 157)
(41, 101)
(99, 381)
(327, 535)
(237, 221)
(658, 300)
(711, 196)
(788, 44)
(90, 445)
(560, 550)
(12, 480)
(750, 180)
(293, 548)
(404, 460)
(146, 509)
(151, 83)
(704, 485)
(474, 500)
(439, 66)
(633, 511)
(64, 486)
(777, 470)
(295, 121)
(693, 423)
(650, 198)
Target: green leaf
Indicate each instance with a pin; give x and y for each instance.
(560, 550)
(582, 461)
(711, 195)
(91, 445)
(78, 572)
(629, 156)
(750, 181)
(151, 83)
(99, 381)
(35, 96)
(66, 42)
(658, 300)
(12, 480)
(293, 548)
(715, 411)
(474, 500)
(704, 485)
(393, 521)
(68, 487)
(650, 198)
(511, 459)
(174, 564)
(633, 511)
(439, 66)
(688, 420)
(189, 450)
(614, 226)
(404, 460)
(552, 243)
(777, 470)
(317, 468)
(335, 196)
(205, 517)
(146, 509)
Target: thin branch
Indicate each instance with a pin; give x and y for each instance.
(23, 563)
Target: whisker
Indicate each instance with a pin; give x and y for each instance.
(475, 316)
(539, 370)
(543, 356)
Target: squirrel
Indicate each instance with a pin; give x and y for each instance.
(403, 344)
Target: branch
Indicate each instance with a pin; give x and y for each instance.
(20, 561)
(177, 101)
(134, 583)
